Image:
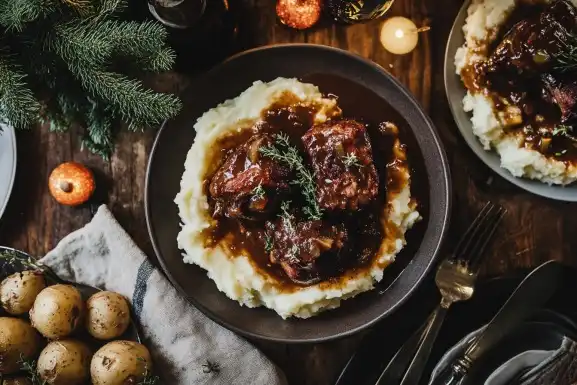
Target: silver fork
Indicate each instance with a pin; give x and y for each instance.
(455, 280)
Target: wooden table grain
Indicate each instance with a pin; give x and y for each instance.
(535, 229)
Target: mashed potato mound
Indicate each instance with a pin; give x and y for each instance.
(235, 275)
(483, 20)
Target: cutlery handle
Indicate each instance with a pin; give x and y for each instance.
(417, 366)
(451, 375)
(395, 369)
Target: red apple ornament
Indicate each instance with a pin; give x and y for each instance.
(71, 184)
(299, 14)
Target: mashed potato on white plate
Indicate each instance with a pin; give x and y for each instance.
(484, 19)
(236, 275)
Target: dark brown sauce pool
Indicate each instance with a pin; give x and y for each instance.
(540, 118)
(365, 227)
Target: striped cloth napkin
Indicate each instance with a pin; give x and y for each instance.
(187, 347)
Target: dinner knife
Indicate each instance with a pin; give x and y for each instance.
(531, 294)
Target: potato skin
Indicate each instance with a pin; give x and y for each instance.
(19, 290)
(57, 311)
(107, 315)
(18, 340)
(119, 362)
(65, 362)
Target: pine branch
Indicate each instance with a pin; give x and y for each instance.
(81, 43)
(137, 106)
(17, 103)
(15, 14)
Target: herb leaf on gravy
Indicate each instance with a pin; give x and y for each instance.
(258, 192)
(351, 160)
(282, 151)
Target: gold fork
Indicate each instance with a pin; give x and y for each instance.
(455, 280)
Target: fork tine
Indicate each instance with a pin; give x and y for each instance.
(476, 254)
(472, 231)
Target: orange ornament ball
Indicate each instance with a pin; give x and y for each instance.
(299, 14)
(71, 184)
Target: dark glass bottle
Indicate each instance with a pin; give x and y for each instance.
(357, 11)
(203, 32)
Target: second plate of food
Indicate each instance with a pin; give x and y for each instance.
(512, 93)
(296, 178)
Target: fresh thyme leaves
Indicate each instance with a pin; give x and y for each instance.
(13, 261)
(149, 379)
(286, 216)
(561, 129)
(211, 367)
(292, 255)
(29, 367)
(258, 192)
(566, 57)
(268, 243)
(351, 160)
(282, 151)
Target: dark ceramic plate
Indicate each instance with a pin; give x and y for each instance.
(455, 94)
(431, 186)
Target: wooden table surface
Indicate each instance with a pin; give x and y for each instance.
(535, 229)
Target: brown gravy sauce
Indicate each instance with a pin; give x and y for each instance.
(366, 227)
(539, 117)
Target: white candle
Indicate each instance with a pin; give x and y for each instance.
(399, 35)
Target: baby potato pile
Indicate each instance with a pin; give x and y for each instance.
(49, 337)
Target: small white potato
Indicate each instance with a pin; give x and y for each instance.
(57, 311)
(18, 341)
(107, 315)
(19, 290)
(64, 362)
(119, 362)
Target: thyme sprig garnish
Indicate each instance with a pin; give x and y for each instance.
(351, 160)
(259, 192)
(566, 57)
(282, 151)
(561, 130)
(268, 243)
(16, 261)
(149, 378)
(29, 367)
(286, 216)
(211, 367)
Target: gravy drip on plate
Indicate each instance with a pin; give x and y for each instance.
(533, 92)
(350, 238)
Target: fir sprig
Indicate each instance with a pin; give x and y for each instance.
(61, 60)
(282, 151)
(17, 102)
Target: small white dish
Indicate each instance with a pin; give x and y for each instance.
(7, 164)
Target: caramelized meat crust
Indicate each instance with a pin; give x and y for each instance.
(341, 157)
(301, 248)
(248, 185)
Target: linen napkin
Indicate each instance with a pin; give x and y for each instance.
(187, 347)
(559, 369)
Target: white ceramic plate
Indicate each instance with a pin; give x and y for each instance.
(456, 92)
(7, 165)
